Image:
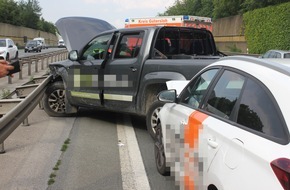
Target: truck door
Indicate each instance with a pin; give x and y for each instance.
(122, 71)
(86, 76)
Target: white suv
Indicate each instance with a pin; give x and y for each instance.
(8, 50)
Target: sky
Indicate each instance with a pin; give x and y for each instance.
(115, 11)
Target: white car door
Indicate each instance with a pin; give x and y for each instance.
(241, 135)
(180, 122)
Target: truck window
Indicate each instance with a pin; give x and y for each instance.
(182, 43)
(129, 46)
(96, 48)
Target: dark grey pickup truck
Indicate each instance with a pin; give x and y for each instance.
(123, 69)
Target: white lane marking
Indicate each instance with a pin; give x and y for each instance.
(132, 168)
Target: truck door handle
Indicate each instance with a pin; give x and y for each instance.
(133, 69)
(212, 143)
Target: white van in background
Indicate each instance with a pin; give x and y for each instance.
(60, 44)
(42, 41)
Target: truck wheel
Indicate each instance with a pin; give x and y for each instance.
(159, 153)
(152, 117)
(54, 100)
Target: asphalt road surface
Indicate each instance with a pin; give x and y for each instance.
(105, 151)
(109, 151)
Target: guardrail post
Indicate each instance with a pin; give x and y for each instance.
(46, 61)
(41, 105)
(9, 80)
(25, 122)
(29, 68)
(20, 72)
(42, 63)
(36, 65)
(2, 150)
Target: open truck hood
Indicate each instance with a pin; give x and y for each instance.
(78, 31)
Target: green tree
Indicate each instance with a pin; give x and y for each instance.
(46, 26)
(268, 28)
(9, 12)
(24, 13)
(217, 8)
(225, 8)
(206, 8)
(249, 5)
(190, 7)
(30, 13)
(176, 9)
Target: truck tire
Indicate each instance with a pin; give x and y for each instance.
(159, 153)
(152, 117)
(54, 100)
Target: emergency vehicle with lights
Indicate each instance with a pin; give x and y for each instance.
(180, 21)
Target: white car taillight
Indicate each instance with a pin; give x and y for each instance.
(281, 168)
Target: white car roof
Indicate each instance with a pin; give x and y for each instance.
(280, 65)
(274, 74)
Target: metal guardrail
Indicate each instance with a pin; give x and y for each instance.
(14, 111)
(42, 58)
(23, 107)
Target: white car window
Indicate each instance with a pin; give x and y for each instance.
(225, 94)
(257, 111)
(267, 54)
(2, 43)
(287, 55)
(277, 55)
(196, 89)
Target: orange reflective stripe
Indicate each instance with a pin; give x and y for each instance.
(194, 125)
(191, 134)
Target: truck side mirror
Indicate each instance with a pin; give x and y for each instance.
(73, 55)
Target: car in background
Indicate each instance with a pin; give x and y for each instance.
(229, 127)
(8, 50)
(42, 41)
(276, 54)
(33, 46)
(60, 44)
